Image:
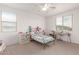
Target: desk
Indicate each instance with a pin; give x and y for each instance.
(61, 34)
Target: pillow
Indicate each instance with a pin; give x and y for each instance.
(32, 33)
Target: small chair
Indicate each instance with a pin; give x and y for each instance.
(2, 46)
(53, 34)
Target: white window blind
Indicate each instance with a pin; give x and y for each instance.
(67, 23)
(8, 21)
(64, 23)
(59, 23)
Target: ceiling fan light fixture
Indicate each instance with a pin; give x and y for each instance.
(45, 7)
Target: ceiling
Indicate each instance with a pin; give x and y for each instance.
(36, 7)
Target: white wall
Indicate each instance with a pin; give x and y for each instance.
(50, 24)
(24, 19)
(75, 30)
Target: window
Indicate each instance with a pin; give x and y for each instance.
(59, 23)
(67, 23)
(0, 19)
(64, 23)
(8, 21)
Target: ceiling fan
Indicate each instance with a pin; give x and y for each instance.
(46, 6)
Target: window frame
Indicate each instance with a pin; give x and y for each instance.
(63, 21)
(8, 22)
(56, 23)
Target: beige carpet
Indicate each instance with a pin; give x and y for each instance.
(33, 48)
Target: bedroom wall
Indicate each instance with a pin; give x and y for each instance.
(75, 30)
(50, 24)
(24, 19)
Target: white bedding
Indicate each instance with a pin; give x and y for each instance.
(42, 38)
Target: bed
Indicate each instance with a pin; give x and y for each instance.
(43, 39)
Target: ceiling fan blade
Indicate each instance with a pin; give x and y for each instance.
(52, 7)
